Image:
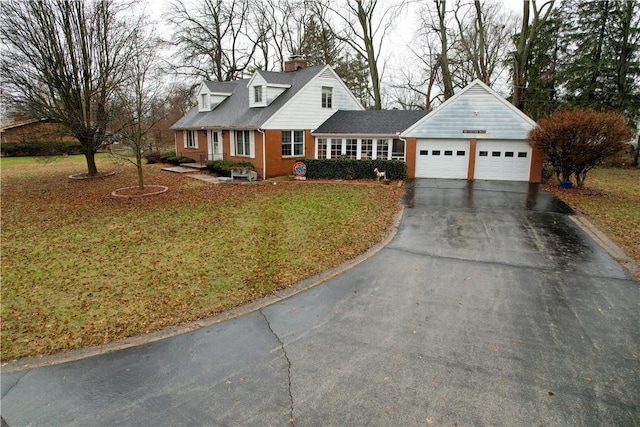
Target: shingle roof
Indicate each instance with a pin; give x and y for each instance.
(220, 87)
(380, 122)
(234, 112)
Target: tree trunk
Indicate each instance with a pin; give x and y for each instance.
(139, 167)
(90, 155)
(444, 60)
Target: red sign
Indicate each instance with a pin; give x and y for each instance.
(299, 169)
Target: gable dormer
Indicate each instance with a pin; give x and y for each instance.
(209, 97)
(263, 92)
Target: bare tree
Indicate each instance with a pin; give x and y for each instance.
(64, 60)
(533, 17)
(484, 35)
(447, 80)
(135, 102)
(365, 27)
(214, 40)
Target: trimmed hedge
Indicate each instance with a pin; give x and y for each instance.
(223, 167)
(17, 149)
(354, 169)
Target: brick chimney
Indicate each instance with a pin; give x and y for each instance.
(294, 63)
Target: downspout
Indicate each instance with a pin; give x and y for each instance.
(405, 153)
(264, 155)
(405, 146)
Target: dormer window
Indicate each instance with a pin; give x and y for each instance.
(257, 94)
(327, 97)
(204, 101)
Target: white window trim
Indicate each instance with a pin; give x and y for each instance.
(195, 139)
(252, 143)
(293, 144)
(374, 147)
(329, 90)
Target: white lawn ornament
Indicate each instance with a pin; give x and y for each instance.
(379, 175)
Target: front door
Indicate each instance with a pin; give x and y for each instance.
(214, 139)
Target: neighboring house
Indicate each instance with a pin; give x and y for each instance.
(476, 134)
(365, 134)
(18, 128)
(266, 120)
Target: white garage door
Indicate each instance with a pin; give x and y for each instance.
(442, 159)
(503, 160)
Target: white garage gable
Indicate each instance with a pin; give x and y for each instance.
(477, 111)
(475, 134)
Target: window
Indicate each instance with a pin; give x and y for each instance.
(484, 153)
(508, 154)
(448, 153)
(522, 154)
(257, 94)
(435, 152)
(366, 149)
(204, 101)
(243, 143)
(327, 97)
(382, 148)
(336, 148)
(352, 148)
(322, 148)
(424, 152)
(460, 153)
(495, 154)
(397, 150)
(292, 143)
(191, 139)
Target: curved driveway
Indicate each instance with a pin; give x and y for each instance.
(489, 307)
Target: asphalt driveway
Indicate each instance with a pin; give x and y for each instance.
(489, 307)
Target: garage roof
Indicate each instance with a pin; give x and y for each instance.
(379, 122)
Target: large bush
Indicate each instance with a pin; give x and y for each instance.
(574, 141)
(354, 169)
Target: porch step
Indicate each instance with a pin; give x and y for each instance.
(179, 169)
(193, 165)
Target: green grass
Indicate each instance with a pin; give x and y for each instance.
(81, 268)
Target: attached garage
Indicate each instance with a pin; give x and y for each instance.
(442, 159)
(503, 160)
(475, 134)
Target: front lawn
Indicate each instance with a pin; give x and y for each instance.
(610, 199)
(81, 268)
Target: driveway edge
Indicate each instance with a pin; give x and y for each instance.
(73, 355)
(607, 244)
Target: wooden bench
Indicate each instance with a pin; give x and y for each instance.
(247, 173)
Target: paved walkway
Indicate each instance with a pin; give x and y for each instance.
(489, 307)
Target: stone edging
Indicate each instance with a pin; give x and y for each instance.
(162, 189)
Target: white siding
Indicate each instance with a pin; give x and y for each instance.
(304, 110)
(273, 93)
(477, 109)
